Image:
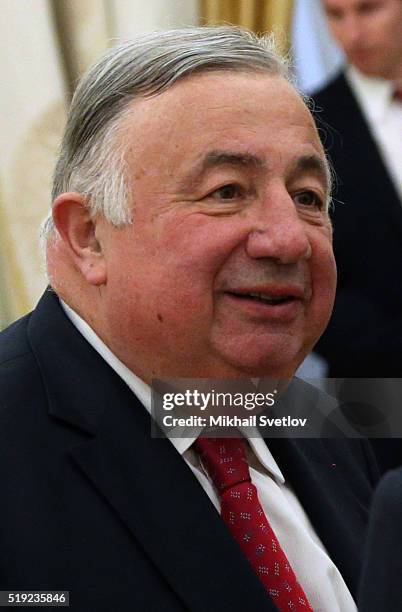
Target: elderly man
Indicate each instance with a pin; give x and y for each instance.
(189, 238)
(363, 108)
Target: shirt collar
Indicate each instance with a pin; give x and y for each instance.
(185, 437)
(137, 386)
(374, 94)
(255, 440)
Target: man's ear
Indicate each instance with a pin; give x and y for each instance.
(77, 230)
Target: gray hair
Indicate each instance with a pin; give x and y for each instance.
(92, 157)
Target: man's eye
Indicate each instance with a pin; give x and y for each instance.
(231, 191)
(309, 198)
(333, 14)
(369, 7)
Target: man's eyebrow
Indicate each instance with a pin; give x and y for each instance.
(220, 158)
(217, 158)
(305, 163)
(317, 165)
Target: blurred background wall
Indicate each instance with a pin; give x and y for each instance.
(47, 44)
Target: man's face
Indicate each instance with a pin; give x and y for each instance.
(370, 33)
(228, 267)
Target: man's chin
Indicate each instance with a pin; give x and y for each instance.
(267, 365)
(369, 68)
(274, 354)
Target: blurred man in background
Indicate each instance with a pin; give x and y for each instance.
(360, 117)
(363, 108)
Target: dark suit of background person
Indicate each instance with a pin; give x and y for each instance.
(381, 582)
(92, 505)
(364, 337)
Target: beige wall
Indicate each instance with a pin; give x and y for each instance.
(45, 45)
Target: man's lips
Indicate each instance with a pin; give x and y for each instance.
(268, 303)
(271, 295)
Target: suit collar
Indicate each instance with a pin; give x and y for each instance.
(137, 386)
(77, 382)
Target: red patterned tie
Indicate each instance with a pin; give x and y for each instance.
(226, 463)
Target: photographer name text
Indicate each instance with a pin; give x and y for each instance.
(232, 421)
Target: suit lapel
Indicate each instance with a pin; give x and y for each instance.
(326, 475)
(144, 480)
(330, 492)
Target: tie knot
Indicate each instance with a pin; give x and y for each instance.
(225, 461)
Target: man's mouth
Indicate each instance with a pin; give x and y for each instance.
(272, 300)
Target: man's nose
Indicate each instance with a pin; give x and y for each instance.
(350, 32)
(279, 233)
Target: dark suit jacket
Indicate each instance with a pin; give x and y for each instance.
(364, 337)
(381, 584)
(91, 504)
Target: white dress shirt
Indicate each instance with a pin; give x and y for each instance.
(384, 116)
(317, 574)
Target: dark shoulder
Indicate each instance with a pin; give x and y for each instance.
(20, 380)
(14, 342)
(380, 587)
(388, 496)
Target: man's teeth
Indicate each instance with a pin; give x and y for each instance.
(269, 299)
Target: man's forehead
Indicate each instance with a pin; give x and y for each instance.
(192, 99)
(207, 84)
(208, 127)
